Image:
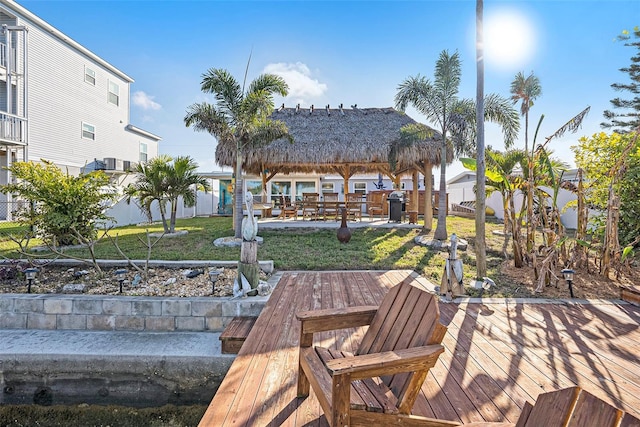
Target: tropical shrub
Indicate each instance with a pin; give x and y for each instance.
(61, 209)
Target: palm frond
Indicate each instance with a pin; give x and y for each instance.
(571, 126)
(498, 109)
(269, 83)
(447, 75)
(205, 117)
(224, 87)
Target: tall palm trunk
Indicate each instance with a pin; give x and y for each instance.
(237, 194)
(481, 244)
(441, 227)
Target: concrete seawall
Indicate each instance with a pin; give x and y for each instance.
(132, 351)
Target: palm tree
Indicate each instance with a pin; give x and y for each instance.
(238, 119)
(150, 186)
(526, 90)
(455, 117)
(481, 241)
(182, 180)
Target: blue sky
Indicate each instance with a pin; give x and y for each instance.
(351, 52)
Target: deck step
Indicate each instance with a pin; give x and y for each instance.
(236, 333)
(630, 294)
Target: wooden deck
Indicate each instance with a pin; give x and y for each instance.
(497, 355)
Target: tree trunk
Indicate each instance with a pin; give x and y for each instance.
(174, 214)
(237, 194)
(481, 244)
(441, 227)
(428, 197)
(248, 265)
(518, 260)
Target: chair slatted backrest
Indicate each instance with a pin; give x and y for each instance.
(408, 317)
(330, 197)
(574, 407)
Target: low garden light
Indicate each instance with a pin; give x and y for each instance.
(121, 273)
(568, 274)
(213, 276)
(30, 274)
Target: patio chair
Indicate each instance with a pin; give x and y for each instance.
(354, 205)
(376, 205)
(380, 383)
(330, 205)
(568, 407)
(287, 209)
(310, 205)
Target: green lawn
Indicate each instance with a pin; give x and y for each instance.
(292, 249)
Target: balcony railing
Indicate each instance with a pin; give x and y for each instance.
(13, 129)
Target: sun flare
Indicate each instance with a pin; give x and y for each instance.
(509, 39)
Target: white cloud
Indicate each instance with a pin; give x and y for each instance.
(145, 101)
(298, 77)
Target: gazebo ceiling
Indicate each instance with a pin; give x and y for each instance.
(326, 140)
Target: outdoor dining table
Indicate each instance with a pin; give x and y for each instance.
(321, 205)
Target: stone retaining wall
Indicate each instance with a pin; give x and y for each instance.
(123, 313)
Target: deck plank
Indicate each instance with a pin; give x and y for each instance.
(497, 356)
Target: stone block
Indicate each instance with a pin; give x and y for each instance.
(245, 307)
(160, 323)
(100, 322)
(58, 306)
(130, 323)
(87, 306)
(28, 305)
(13, 321)
(190, 323)
(207, 308)
(146, 308)
(71, 321)
(175, 307)
(6, 304)
(214, 324)
(120, 307)
(41, 321)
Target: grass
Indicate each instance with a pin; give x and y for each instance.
(292, 249)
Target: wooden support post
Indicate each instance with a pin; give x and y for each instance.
(248, 265)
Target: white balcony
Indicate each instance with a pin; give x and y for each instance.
(13, 129)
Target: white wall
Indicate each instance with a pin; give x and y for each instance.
(124, 213)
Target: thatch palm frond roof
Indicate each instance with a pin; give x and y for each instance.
(325, 138)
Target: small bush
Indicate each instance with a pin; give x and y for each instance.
(60, 206)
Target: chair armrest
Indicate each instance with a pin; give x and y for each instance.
(336, 318)
(386, 363)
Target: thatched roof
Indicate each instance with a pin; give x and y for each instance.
(325, 138)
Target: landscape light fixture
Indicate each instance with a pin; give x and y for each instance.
(213, 276)
(30, 273)
(568, 274)
(120, 276)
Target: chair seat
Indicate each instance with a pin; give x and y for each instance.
(369, 394)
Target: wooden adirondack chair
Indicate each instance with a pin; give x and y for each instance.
(380, 383)
(569, 407)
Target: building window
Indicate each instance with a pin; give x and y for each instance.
(90, 76)
(254, 187)
(88, 131)
(143, 152)
(278, 188)
(304, 187)
(327, 187)
(360, 187)
(114, 93)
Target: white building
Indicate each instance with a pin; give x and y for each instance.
(61, 102)
(461, 188)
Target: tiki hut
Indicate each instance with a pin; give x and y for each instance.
(340, 140)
